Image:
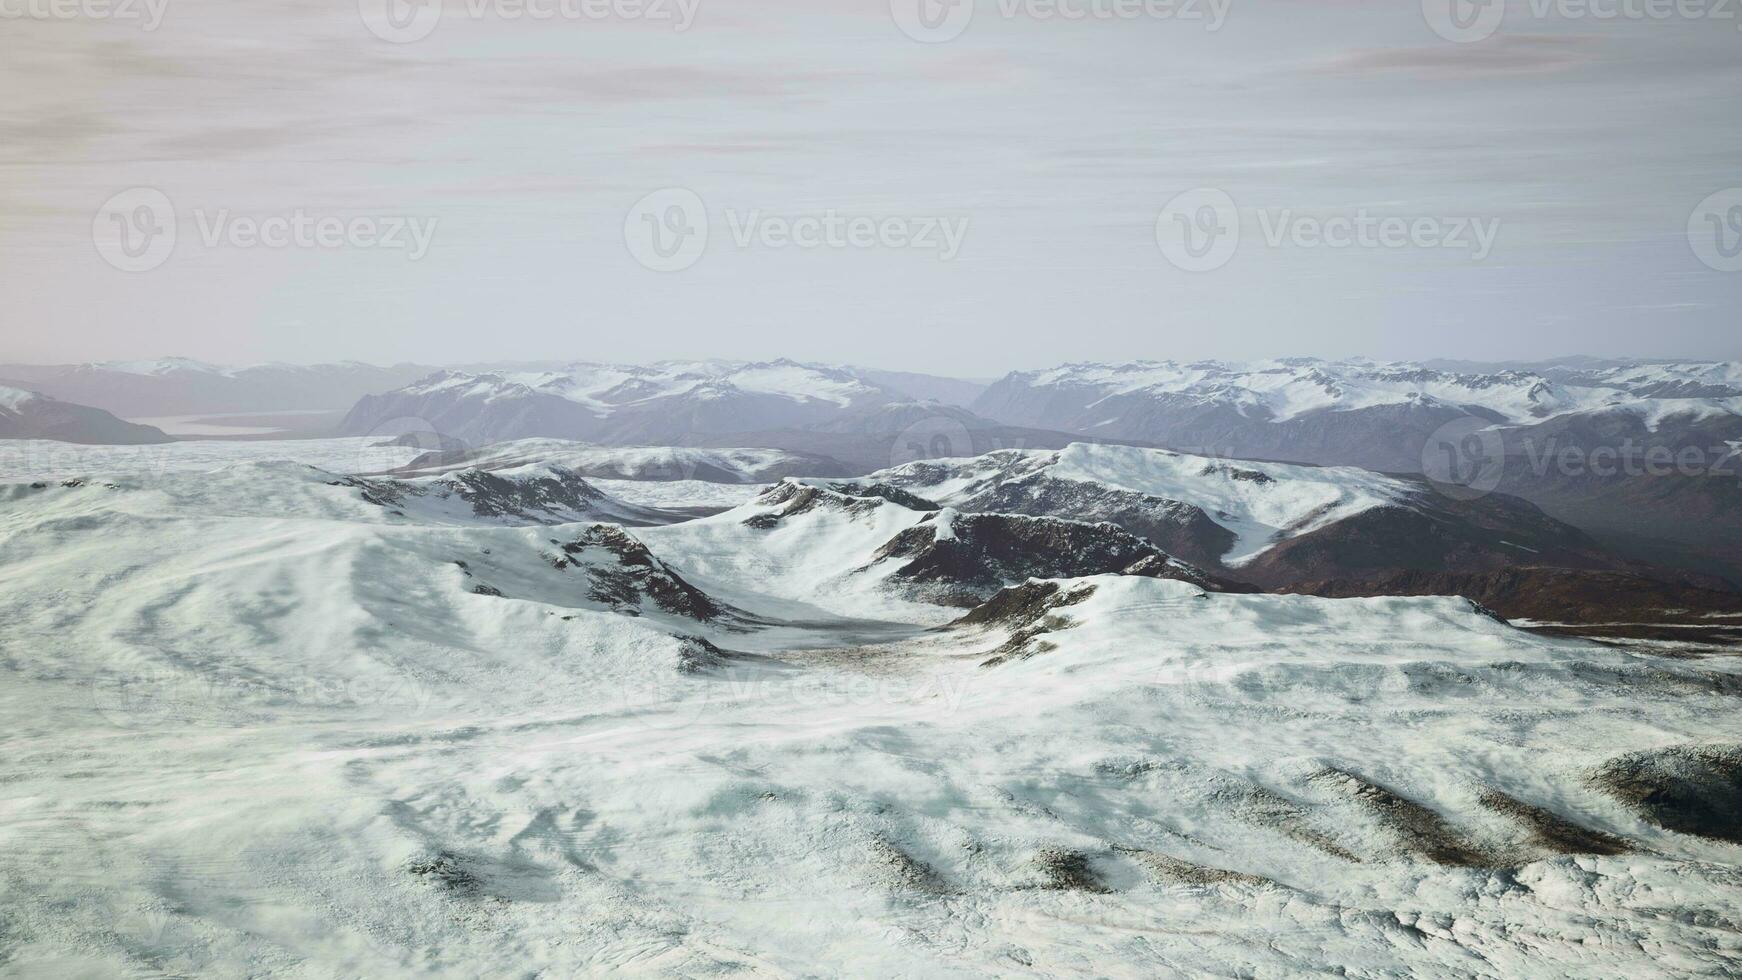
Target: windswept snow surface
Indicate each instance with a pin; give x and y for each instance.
(254, 726)
(1261, 503)
(42, 459)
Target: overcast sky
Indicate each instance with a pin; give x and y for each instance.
(1586, 146)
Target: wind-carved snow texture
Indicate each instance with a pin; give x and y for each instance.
(256, 724)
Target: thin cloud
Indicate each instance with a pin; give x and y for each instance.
(1514, 54)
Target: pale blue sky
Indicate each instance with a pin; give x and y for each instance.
(529, 142)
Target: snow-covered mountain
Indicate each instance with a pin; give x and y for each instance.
(530, 493)
(643, 463)
(1336, 530)
(32, 415)
(815, 410)
(622, 403)
(846, 549)
(1150, 399)
(1338, 412)
(256, 724)
(1540, 427)
(179, 386)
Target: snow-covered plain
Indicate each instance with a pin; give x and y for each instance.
(44, 459)
(256, 725)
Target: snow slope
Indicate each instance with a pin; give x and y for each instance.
(806, 560)
(253, 726)
(32, 415)
(41, 459)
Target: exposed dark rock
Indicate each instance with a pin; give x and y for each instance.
(1557, 595)
(624, 573)
(1064, 870)
(1552, 831)
(975, 555)
(696, 656)
(1420, 830)
(908, 872)
(792, 499)
(1025, 604)
(887, 491)
(554, 496)
(1691, 789)
(1180, 529)
(1264, 808)
(447, 871)
(1173, 869)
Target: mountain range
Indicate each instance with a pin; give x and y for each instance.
(1641, 454)
(270, 717)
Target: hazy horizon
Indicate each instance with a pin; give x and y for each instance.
(535, 363)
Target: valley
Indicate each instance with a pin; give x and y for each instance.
(323, 722)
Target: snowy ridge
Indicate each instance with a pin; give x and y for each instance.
(608, 388)
(1285, 389)
(807, 549)
(1260, 503)
(353, 744)
(654, 463)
